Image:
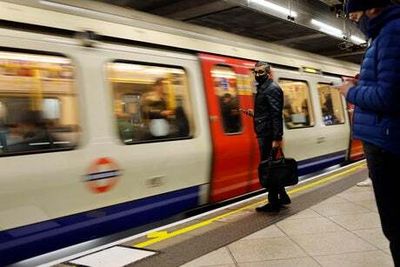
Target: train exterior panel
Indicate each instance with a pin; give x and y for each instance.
(130, 134)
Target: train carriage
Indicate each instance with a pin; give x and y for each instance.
(117, 130)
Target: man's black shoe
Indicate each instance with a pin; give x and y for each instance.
(268, 208)
(285, 199)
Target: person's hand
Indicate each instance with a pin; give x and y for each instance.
(248, 111)
(166, 113)
(276, 144)
(344, 88)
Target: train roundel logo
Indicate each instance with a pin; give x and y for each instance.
(102, 175)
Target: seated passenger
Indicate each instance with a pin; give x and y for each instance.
(29, 134)
(125, 128)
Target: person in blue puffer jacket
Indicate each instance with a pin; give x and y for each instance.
(376, 96)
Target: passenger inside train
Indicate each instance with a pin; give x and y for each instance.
(296, 109)
(230, 113)
(155, 102)
(149, 102)
(331, 102)
(225, 87)
(157, 111)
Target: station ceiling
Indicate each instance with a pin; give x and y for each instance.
(263, 23)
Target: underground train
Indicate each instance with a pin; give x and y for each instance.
(111, 121)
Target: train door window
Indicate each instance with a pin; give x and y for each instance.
(331, 104)
(297, 109)
(151, 103)
(225, 88)
(38, 104)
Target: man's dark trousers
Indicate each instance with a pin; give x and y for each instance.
(384, 171)
(265, 146)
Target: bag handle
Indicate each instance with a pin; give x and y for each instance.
(276, 153)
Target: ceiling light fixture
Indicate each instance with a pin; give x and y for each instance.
(357, 40)
(327, 28)
(275, 7)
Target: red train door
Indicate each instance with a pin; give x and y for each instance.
(228, 86)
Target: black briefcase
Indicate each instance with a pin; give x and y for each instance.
(278, 172)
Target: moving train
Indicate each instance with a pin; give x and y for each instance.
(111, 121)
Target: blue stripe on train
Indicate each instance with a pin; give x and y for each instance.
(319, 163)
(36, 239)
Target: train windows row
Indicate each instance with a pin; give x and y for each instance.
(297, 110)
(39, 110)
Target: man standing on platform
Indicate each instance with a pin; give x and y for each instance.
(376, 96)
(268, 125)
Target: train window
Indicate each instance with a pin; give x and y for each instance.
(151, 103)
(225, 86)
(331, 104)
(38, 104)
(297, 109)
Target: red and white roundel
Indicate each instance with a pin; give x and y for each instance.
(102, 175)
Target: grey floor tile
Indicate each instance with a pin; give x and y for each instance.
(339, 209)
(360, 259)
(308, 226)
(332, 243)
(374, 236)
(220, 257)
(265, 249)
(270, 231)
(296, 262)
(359, 189)
(358, 221)
(308, 213)
(334, 199)
(357, 196)
(368, 204)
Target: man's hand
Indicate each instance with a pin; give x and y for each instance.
(248, 112)
(276, 144)
(344, 88)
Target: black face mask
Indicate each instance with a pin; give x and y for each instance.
(363, 25)
(261, 78)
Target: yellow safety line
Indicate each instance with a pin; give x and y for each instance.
(162, 235)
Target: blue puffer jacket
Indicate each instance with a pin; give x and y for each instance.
(377, 94)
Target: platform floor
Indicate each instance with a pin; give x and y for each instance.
(343, 230)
